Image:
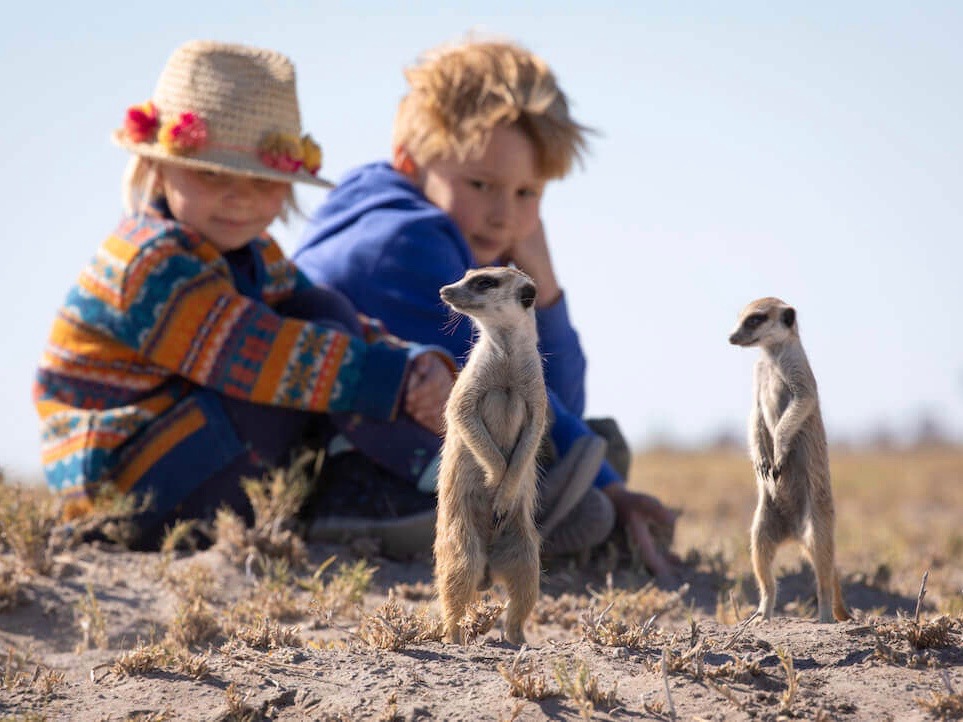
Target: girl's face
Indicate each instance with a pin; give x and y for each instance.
(228, 210)
(494, 199)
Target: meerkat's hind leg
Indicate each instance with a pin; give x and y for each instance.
(459, 572)
(763, 548)
(515, 561)
(817, 543)
(839, 604)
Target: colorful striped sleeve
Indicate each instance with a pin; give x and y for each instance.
(180, 310)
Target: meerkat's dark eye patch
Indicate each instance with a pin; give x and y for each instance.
(526, 295)
(755, 320)
(483, 283)
(789, 316)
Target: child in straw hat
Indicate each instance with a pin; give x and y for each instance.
(191, 352)
(482, 130)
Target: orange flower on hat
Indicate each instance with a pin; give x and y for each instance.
(311, 153)
(281, 151)
(141, 122)
(185, 134)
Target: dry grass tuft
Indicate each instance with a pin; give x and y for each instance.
(10, 587)
(275, 500)
(265, 634)
(194, 623)
(147, 658)
(614, 632)
(180, 536)
(18, 672)
(27, 518)
(929, 635)
(140, 660)
(641, 604)
(564, 610)
(792, 681)
(274, 596)
(392, 627)
(192, 581)
(582, 687)
(161, 716)
(523, 680)
(741, 669)
(944, 706)
(345, 589)
(479, 619)
(238, 710)
(919, 637)
(91, 621)
(390, 712)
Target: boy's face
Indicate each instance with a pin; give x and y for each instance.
(494, 199)
(228, 210)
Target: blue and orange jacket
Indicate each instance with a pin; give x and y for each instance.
(154, 317)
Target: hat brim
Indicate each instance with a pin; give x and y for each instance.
(218, 160)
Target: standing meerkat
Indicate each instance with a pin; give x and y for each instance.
(787, 445)
(495, 417)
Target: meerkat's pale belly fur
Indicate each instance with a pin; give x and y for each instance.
(804, 481)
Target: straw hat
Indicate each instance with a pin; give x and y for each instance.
(228, 108)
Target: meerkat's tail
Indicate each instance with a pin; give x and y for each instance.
(839, 606)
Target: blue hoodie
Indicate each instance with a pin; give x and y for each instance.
(378, 240)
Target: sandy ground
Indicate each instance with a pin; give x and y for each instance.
(97, 639)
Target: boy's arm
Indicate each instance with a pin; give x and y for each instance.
(558, 341)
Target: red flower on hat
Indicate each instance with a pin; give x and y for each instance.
(186, 134)
(282, 152)
(141, 121)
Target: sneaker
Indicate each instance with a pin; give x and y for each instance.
(587, 525)
(618, 454)
(400, 538)
(567, 481)
(355, 498)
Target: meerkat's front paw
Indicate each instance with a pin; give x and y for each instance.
(763, 468)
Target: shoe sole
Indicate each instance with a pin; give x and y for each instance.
(401, 537)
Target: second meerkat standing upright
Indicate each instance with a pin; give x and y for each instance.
(495, 419)
(787, 444)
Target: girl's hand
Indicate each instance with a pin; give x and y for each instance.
(429, 385)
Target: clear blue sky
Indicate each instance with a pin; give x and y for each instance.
(814, 154)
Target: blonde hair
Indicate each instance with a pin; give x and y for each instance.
(459, 94)
(141, 186)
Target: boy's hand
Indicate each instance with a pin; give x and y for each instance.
(429, 385)
(638, 513)
(531, 255)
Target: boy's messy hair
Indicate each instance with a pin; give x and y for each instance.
(140, 187)
(459, 94)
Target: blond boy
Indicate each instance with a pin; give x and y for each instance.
(482, 130)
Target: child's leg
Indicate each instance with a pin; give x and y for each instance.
(191, 461)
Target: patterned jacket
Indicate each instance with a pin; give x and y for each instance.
(154, 317)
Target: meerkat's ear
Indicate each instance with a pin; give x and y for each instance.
(789, 316)
(526, 295)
